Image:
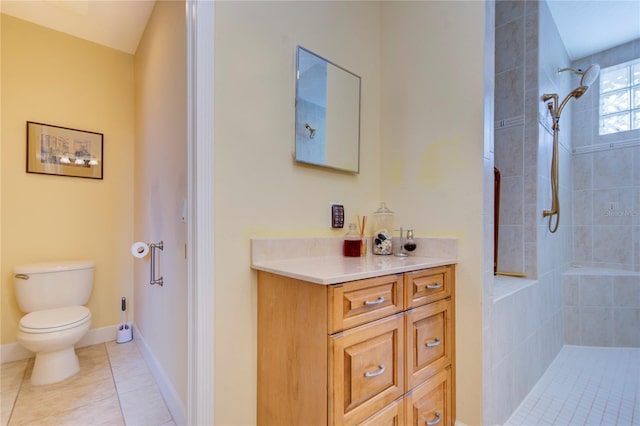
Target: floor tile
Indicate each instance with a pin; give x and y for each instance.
(585, 385)
(113, 380)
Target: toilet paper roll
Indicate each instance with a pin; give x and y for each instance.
(139, 249)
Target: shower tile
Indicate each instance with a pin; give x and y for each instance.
(583, 208)
(636, 165)
(509, 90)
(612, 168)
(582, 128)
(616, 55)
(508, 150)
(618, 214)
(596, 326)
(531, 74)
(571, 317)
(596, 290)
(510, 248)
(509, 52)
(636, 247)
(571, 290)
(611, 244)
(626, 322)
(508, 10)
(582, 171)
(626, 292)
(511, 200)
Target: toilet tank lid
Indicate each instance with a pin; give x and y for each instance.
(59, 266)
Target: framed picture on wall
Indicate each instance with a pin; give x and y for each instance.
(55, 150)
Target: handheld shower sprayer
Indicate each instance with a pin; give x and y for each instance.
(587, 78)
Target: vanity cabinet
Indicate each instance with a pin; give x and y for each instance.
(375, 351)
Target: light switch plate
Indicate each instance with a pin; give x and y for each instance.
(337, 216)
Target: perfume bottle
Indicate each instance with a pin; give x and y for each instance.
(352, 242)
(409, 243)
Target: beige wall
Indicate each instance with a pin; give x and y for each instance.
(57, 79)
(432, 152)
(422, 152)
(160, 188)
(259, 189)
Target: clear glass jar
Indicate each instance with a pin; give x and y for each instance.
(382, 228)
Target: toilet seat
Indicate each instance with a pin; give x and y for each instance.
(52, 320)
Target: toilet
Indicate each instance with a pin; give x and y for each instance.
(52, 295)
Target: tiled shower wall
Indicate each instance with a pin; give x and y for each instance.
(606, 180)
(525, 328)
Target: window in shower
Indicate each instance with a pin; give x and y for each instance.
(620, 98)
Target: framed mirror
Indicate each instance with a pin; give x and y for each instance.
(327, 113)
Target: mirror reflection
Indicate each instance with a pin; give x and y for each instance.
(327, 113)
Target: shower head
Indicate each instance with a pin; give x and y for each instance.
(587, 77)
(590, 75)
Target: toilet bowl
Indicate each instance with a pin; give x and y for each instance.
(52, 295)
(51, 334)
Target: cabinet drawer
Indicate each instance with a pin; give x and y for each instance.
(429, 340)
(427, 285)
(357, 302)
(430, 404)
(391, 415)
(365, 369)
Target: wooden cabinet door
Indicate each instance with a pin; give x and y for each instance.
(428, 285)
(358, 302)
(430, 403)
(429, 341)
(391, 415)
(366, 369)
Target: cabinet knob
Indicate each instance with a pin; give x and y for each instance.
(434, 286)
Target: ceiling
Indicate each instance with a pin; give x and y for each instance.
(586, 26)
(591, 26)
(118, 24)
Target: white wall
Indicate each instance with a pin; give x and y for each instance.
(160, 188)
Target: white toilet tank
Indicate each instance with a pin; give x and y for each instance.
(53, 285)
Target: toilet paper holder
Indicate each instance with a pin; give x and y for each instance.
(153, 280)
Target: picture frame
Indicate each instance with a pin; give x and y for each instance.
(62, 151)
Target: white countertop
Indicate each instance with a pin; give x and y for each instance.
(336, 269)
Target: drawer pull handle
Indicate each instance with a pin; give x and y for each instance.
(435, 286)
(375, 302)
(375, 373)
(435, 421)
(436, 342)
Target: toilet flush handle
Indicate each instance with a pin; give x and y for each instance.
(22, 276)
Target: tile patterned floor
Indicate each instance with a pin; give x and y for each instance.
(585, 386)
(114, 387)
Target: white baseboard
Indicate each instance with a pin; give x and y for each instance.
(15, 352)
(171, 397)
